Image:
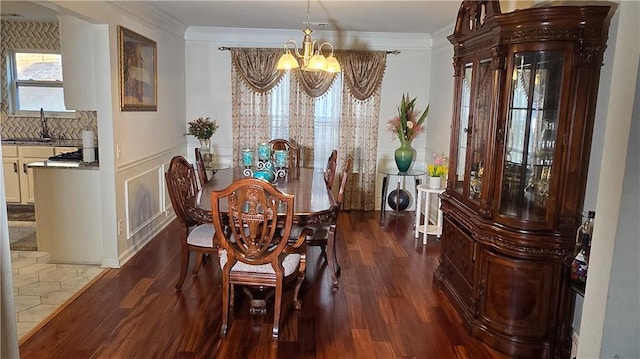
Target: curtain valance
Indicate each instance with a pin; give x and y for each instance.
(257, 67)
(363, 71)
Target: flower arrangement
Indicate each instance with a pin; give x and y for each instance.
(439, 167)
(409, 123)
(202, 128)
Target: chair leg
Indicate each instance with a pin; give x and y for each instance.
(277, 307)
(199, 260)
(297, 303)
(323, 252)
(333, 262)
(184, 265)
(226, 298)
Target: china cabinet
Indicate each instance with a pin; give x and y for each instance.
(525, 91)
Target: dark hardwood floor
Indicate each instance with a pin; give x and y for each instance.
(386, 306)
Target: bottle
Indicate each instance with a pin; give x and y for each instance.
(580, 264)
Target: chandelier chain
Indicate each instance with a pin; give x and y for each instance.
(308, 6)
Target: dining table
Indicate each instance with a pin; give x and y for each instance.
(314, 204)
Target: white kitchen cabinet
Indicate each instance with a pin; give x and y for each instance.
(18, 177)
(26, 155)
(11, 170)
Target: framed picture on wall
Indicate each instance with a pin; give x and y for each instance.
(138, 74)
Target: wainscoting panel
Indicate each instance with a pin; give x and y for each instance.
(168, 208)
(145, 200)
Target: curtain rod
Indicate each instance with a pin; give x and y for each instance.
(392, 52)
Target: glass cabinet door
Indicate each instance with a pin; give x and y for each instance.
(475, 111)
(531, 131)
(479, 129)
(463, 125)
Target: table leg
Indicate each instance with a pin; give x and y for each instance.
(418, 208)
(384, 195)
(439, 233)
(426, 217)
(398, 197)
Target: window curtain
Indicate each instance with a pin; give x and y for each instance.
(254, 74)
(363, 72)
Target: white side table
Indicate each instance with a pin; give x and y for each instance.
(426, 228)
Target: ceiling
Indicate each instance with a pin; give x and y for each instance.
(418, 16)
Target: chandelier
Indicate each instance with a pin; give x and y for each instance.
(312, 57)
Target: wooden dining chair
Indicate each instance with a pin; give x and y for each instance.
(330, 171)
(198, 237)
(202, 170)
(254, 252)
(324, 234)
(294, 151)
(333, 229)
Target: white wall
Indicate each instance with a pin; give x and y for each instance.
(612, 228)
(134, 146)
(622, 322)
(439, 126)
(209, 83)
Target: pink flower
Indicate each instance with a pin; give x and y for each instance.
(409, 123)
(439, 167)
(439, 159)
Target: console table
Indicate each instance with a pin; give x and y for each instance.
(426, 228)
(390, 172)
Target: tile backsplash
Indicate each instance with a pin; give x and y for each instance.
(60, 128)
(26, 35)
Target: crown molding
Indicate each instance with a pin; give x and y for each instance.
(269, 38)
(150, 14)
(440, 37)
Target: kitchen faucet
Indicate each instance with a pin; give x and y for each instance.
(45, 129)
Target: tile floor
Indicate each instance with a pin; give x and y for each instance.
(20, 230)
(40, 287)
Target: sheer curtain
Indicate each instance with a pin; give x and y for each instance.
(253, 75)
(319, 112)
(363, 72)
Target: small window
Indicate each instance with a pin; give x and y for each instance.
(36, 81)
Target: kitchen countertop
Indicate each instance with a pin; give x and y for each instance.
(40, 142)
(65, 164)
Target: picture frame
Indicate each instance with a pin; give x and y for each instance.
(138, 76)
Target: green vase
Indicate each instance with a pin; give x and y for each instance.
(404, 156)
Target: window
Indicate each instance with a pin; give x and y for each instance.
(36, 81)
(327, 112)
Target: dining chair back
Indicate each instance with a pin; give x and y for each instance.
(202, 171)
(292, 149)
(324, 233)
(254, 252)
(198, 237)
(330, 171)
(343, 182)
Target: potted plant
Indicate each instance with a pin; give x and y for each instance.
(202, 129)
(406, 126)
(437, 170)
